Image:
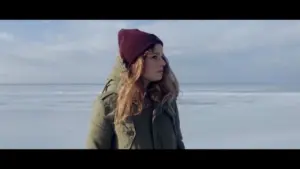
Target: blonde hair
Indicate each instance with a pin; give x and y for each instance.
(130, 98)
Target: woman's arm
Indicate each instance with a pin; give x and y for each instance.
(178, 128)
(101, 128)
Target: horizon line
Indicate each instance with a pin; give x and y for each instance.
(182, 83)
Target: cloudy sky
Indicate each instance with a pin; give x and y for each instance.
(199, 51)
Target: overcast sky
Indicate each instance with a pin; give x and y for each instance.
(199, 51)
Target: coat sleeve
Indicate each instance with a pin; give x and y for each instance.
(101, 131)
(181, 144)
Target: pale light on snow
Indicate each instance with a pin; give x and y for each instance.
(57, 116)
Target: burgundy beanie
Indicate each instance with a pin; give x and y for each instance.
(133, 43)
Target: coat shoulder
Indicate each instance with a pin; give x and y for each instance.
(108, 101)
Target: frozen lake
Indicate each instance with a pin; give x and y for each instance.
(58, 116)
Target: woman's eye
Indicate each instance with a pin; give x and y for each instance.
(154, 57)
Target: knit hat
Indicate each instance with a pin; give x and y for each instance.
(133, 43)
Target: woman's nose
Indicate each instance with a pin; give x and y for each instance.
(162, 62)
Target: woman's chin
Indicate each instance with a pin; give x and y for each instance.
(155, 78)
(158, 78)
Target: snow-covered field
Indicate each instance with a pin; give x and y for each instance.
(57, 116)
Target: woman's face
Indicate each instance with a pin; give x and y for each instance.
(154, 64)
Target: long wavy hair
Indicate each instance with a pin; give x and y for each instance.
(130, 98)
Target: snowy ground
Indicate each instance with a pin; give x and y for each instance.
(57, 116)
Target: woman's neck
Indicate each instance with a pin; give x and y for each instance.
(146, 83)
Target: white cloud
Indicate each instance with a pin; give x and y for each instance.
(223, 36)
(4, 36)
(203, 51)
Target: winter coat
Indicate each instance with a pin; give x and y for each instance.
(157, 127)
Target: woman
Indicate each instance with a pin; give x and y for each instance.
(137, 108)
